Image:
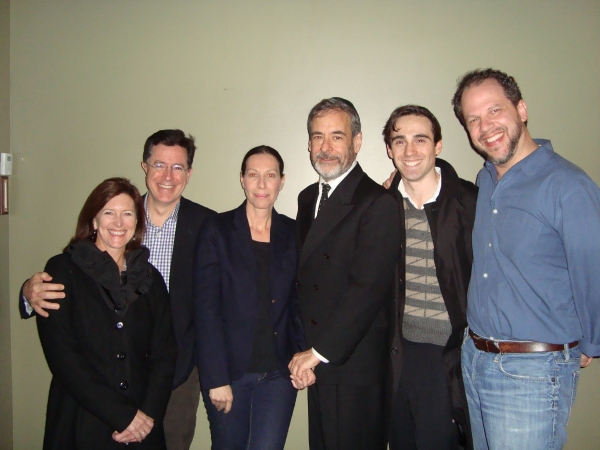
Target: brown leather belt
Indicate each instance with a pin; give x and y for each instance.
(485, 345)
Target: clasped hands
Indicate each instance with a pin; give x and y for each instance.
(301, 369)
(139, 428)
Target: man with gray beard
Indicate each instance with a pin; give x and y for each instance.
(348, 241)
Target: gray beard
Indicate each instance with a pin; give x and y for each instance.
(332, 175)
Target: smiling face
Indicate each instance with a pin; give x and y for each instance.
(115, 225)
(166, 186)
(262, 181)
(412, 148)
(495, 125)
(331, 145)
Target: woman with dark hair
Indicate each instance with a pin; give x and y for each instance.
(110, 346)
(246, 317)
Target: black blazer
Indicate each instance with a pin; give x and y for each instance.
(105, 367)
(226, 296)
(190, 218)
(450, 219)
(345, 275)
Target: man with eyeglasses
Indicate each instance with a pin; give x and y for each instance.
(172, 225)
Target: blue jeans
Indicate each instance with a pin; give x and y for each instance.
(519, 400)
(260, 416)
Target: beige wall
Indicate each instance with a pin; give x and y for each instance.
(5, 347)
(91, 80)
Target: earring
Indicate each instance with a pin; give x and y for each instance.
(94, 233)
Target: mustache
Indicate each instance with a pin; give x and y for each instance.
(322, 155)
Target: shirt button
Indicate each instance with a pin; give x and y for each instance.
(119, 325)
(275, 333)
(124, 385)
(485, 275)
(490, 244)
(120, 355)
(326, 256)
(273, 301)
(316, 287)
(495, 211)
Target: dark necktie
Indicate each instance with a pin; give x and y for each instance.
(324, 196)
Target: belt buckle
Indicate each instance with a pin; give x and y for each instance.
(495, 346)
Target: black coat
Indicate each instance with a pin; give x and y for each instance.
(226, 296)
(105, 366)
(451, 219)
(190, 218)
(345, 278)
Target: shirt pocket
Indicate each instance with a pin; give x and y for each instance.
(519, 235)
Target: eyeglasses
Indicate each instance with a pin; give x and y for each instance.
(162, 167)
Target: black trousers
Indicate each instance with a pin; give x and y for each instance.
(421, 417)
(346, 417)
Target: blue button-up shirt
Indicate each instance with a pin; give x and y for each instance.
(536, 253)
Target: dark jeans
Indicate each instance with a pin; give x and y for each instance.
(260, 416)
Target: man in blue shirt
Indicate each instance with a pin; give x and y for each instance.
(533, 302)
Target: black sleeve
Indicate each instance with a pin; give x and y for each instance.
(22, 309)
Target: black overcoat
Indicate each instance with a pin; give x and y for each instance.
(105, 366)
(190, 218)
(345, 278)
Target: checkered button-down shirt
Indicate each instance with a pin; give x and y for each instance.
(160, 240)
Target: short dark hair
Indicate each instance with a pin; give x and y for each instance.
(335, 104)
(263, 150)
(100, 196)
(170, 138)
(478, 76)
(411, 110)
